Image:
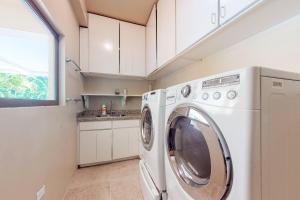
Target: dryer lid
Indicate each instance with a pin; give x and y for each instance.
(198, 153)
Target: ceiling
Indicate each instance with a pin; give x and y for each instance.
(135, 11)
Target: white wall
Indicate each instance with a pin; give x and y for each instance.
(278, 47)
(106, 85)
(80, 10)
(132, 103)
(38, 145)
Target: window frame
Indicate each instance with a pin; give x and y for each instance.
(10, 102)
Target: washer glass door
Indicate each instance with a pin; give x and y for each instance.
(147, 133)
(198, 154)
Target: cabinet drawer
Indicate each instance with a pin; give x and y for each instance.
(94, 125)
(126, 123)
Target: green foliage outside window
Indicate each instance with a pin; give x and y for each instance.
(18, 86)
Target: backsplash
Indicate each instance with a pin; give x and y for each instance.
(132, 103)
(100, 85)
(107, 85)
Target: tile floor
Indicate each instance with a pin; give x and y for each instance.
(116, 181)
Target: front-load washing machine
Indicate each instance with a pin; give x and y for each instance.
(152, 176)
(234, 136)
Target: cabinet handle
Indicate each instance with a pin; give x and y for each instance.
(170, 97)
(223, 11)
(213, 18)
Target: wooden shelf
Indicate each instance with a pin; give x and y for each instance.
(257, 18)
(113, 76)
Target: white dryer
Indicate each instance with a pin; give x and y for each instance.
(152, 176)
(234, 136)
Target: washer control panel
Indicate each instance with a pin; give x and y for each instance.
(220, 91)
(217, 92)
(221, 81)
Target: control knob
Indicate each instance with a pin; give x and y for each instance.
(231, 94)
(205, 96)
(186, 91)
(217, 95)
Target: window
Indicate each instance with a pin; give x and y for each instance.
(28, 56)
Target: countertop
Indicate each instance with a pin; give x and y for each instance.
(94, 115)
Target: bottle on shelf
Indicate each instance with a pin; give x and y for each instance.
(103, 110)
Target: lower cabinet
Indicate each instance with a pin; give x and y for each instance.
(95, 146)
(125, 142)
(104, 146)
(88, 147)
(117, 140)
(133, 141)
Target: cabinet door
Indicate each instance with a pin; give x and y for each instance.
(87, 147)
(230, 8)
(194, 19)
(165, 31)
(84, 49)
(133, 141)
(120, 143)
(103, 45)
(132, 49)
(104, 145)
(151, 42)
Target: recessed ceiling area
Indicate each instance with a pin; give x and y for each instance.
(135, 11)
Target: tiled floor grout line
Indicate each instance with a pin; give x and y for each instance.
(109, 190)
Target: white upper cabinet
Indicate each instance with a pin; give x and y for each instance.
(165, 31)
(132, 49)
(194, 19)
(230, 8)
(151, 42)
(103, 45)
(84, 49)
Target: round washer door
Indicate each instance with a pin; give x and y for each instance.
(147, 133)
(198, 154)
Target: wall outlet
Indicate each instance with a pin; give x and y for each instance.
(41, 193)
